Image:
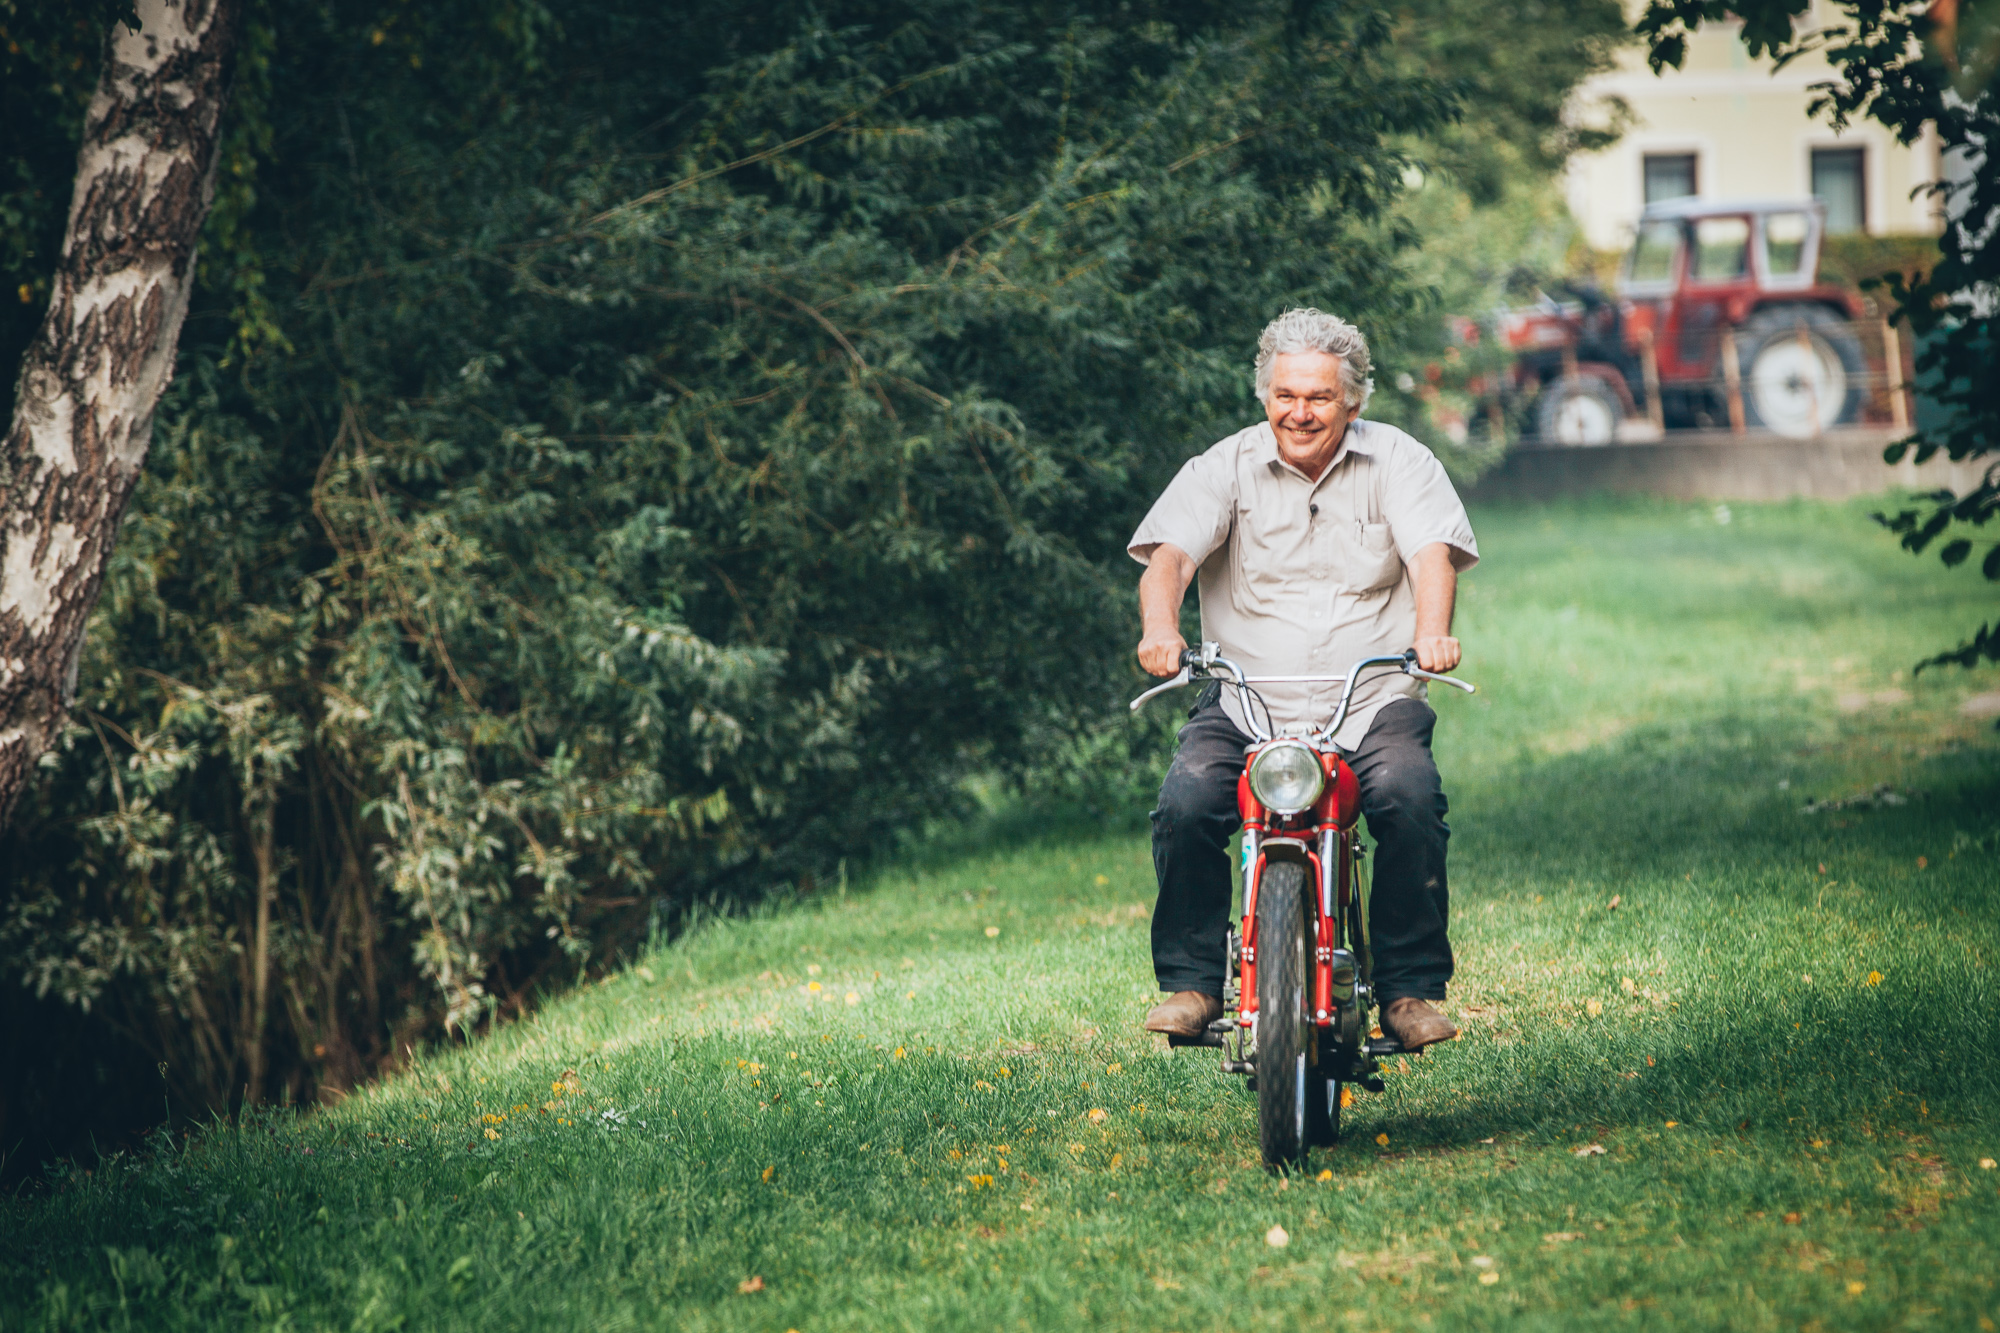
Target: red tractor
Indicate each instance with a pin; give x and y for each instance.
(1720, 317)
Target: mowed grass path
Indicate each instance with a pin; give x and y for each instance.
(1754, 1093)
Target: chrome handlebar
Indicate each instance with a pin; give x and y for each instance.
(1207, 663)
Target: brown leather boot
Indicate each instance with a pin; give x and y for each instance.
(1414, 1023)
(1187, 1014)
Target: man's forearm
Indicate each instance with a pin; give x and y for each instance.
(1437, 591)
(1162, 588)
(1437, 596)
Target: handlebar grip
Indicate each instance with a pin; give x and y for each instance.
(1409, 654)
(1190, 657)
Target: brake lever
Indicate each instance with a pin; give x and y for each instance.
(1412, 669)
(1172, 683)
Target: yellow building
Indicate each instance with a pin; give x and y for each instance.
(1726, 126)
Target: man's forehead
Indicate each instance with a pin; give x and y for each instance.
(1305, 370)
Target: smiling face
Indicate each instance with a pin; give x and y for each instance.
(1308, 409)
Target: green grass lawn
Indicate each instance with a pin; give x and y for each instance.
(1727, 1063)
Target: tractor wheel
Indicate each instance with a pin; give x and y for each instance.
(1578, 409)
(1799, 385)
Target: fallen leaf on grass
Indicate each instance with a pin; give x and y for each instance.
(1589, 1150)
(1488, 1140)
(993, 932)
(1382, 1139)
(1277, 1238)
(1793, 1219)
(1932, 1167)
(1613, 904)
(1856, 1288)
(1986, 1164)
(749, 1284)
(1558, 1237)
(1593, 1007)
(769, 1171)
(1874, 979)
(1098, 1115)
(1488, 1279)
(1324, 1175)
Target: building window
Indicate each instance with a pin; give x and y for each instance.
(1669, 176)
(1838, 182)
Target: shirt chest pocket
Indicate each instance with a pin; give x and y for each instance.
(1372, 562)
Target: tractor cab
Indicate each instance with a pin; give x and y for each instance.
(1702, 273)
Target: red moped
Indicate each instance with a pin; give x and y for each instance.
(1295, 1006)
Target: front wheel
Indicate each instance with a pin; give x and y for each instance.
(1291, 1095)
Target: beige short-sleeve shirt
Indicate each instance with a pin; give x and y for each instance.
(1303, 577)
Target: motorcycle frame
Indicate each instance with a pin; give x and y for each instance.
(1325, 841)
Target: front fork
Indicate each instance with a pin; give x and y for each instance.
(1341, 995)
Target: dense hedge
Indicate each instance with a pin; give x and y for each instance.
(627, 457)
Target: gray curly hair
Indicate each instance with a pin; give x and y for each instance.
(1310, 330)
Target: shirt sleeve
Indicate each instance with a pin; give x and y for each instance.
(1422, 507)
(1195, 512)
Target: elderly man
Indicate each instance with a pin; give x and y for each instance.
(1320, 539)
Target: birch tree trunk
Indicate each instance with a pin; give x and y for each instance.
(83, 408)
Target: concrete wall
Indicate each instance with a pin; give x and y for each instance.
(1716, 465)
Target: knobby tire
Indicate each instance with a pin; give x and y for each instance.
(1287, 1076)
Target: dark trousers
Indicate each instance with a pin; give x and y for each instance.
(1405, 805)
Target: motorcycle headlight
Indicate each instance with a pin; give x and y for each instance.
(1286, 777)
